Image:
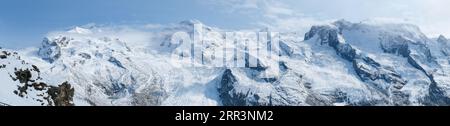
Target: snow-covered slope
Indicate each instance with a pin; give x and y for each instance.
(342, 63)
(22, 84)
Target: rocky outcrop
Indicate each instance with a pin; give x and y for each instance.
(364, 66)
(445, 44)
(62, 95)
(102, 67)
(228, 93)
(30, 83)
(51, 49)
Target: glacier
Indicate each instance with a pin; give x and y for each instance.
(337, 64)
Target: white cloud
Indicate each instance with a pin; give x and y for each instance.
(276, 8)
(274, 14)
(261, 7)
(432, 16)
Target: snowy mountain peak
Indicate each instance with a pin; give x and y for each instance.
(50, 49)
(81, 42)
(340, 63)
(368, 45)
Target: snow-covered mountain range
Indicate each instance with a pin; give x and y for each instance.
(341, 63)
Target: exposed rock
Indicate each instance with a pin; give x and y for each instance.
(227, 93)
(23, 76)
(51, 49)
(30, 81)
(116, 62)
(61, 95)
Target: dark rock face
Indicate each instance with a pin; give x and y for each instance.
(56, 96)
(396, 45)
(85, 55)
(4, 54)
(436, 96)
(116, 62)
(326, 34)
(230, 97)
(330, 36)
(286, 49)
(22, 75)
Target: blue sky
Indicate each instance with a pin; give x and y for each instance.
(25, 22)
